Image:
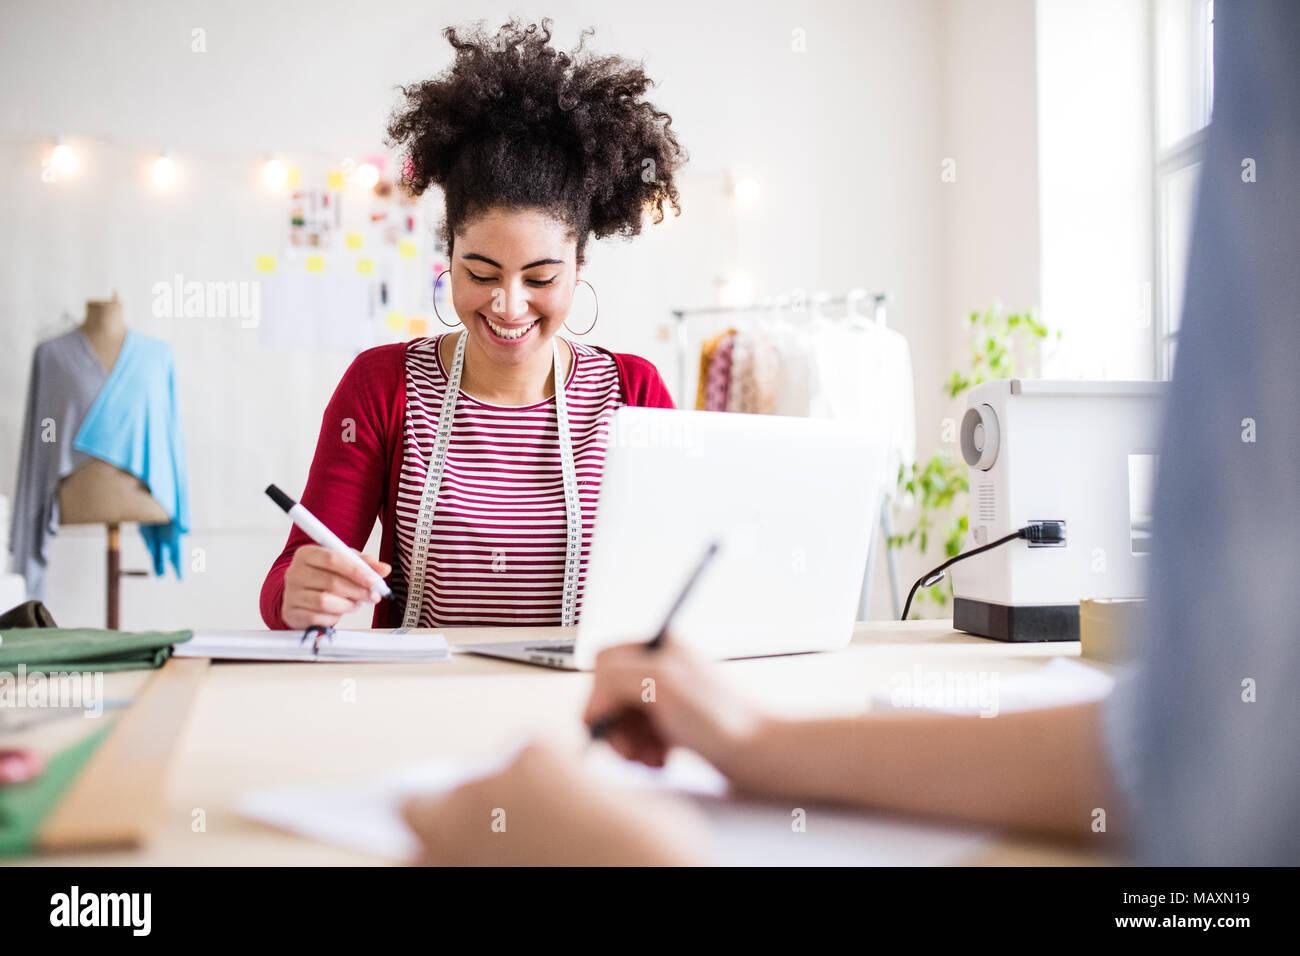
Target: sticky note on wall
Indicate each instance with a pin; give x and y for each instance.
(266, 263)
(355, 240)
(407, 249)
(365, 266)
(315, 263)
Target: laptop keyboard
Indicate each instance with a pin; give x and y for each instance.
(553, 648)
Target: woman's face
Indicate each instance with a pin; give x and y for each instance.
(512, 279)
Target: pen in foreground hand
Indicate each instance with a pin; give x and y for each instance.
(602, 727)
(325, 537)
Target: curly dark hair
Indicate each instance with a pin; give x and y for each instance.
(514, 124)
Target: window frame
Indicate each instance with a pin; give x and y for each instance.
(1180, 155)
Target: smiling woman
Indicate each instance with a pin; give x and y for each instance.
(481, 451)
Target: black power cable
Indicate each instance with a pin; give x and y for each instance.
(1039, 532)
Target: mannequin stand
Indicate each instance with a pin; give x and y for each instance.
(113, 583)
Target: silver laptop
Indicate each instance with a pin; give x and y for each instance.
(792, 503)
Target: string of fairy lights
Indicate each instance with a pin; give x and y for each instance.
(62, 163)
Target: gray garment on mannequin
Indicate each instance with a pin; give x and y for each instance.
(66, 379)
(1205, 736)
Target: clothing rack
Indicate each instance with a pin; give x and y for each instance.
(815, 302)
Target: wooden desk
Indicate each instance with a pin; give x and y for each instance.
(265, 725)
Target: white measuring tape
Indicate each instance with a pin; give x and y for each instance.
(433, 480)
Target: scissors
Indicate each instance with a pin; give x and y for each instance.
(319, 631)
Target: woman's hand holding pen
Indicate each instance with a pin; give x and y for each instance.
(672, 697)
(320, 586)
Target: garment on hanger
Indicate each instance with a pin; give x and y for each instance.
(135, 425)
(756, 374)
(820, 398)
(719, 378)
(797, 381)
(766, 374)
(66, 378)
(707, 351)
(742, 357)
(864, 371)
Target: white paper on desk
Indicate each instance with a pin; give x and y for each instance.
(1060, 682)
(345, 646)
(366, 817)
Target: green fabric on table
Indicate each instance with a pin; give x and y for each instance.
(86, 648)
(24, 806)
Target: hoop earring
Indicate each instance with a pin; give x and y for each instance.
(450, 325)
(593, 321)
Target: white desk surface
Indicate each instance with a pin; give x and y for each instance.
(266, 725)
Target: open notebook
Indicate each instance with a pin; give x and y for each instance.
(351, 646)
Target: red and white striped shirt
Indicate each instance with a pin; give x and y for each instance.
(497, 546)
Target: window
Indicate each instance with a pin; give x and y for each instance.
(1183, 87)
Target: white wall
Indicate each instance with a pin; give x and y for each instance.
(991, 131)
(845, 139)
(990, 206)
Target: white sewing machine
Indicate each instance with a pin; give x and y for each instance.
(1081, 453)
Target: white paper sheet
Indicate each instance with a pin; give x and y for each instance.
(329, 310)
(953, 690)
(366, 817)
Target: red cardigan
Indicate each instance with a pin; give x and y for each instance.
(358, 460)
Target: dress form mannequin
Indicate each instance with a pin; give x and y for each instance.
(97, 492)
(105, 328)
